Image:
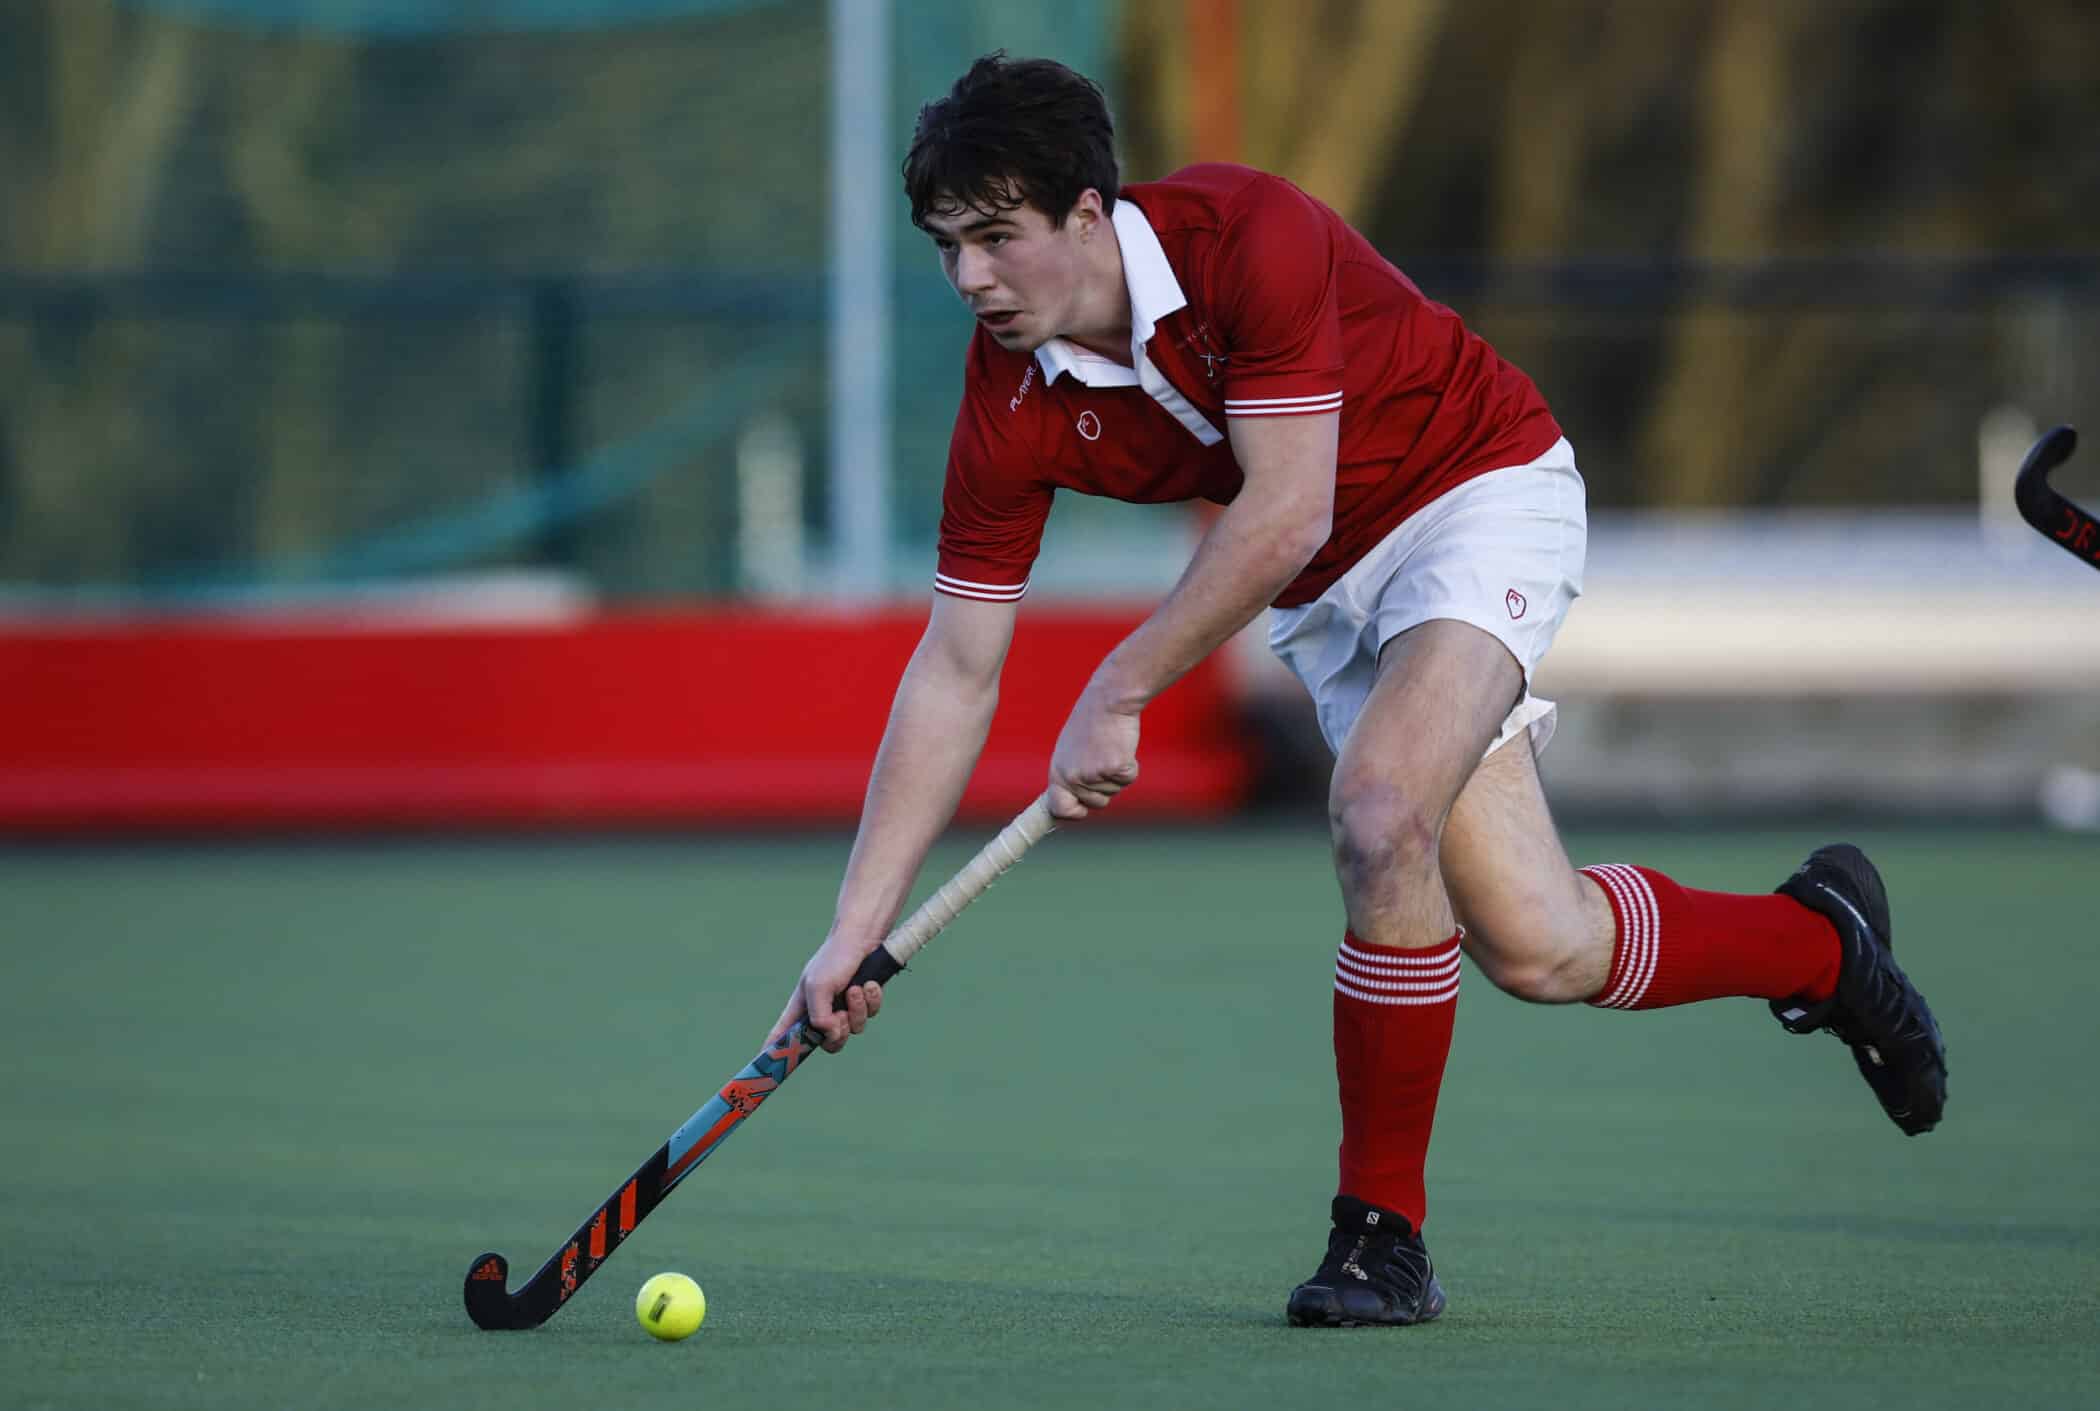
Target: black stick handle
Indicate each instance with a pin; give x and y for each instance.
(880, 967)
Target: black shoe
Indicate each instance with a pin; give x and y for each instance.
(1876, 1010)
(1376, 1271)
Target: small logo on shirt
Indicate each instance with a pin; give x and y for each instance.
(1027, 381)
(1200, 340)
(1514, 601)
(1090, 426)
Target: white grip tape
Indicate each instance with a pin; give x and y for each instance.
(968, 885)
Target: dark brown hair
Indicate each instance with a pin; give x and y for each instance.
(1012, 131)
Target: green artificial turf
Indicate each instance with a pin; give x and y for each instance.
(262, 1104)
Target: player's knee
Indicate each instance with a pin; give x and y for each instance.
(1380, 833)
(1528, 978)
(1526, 962)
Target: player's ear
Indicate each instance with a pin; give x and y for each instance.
(1087, 212)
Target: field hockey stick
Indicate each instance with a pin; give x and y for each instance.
(490, 1303)
(2056, 517)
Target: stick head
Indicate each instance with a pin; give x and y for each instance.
(2073, 529)
(2031, 486)
(489, 1302)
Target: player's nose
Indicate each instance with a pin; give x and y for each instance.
(973, 272)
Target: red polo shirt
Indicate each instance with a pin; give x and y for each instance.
(1247, 298)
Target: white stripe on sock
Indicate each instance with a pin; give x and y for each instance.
(1449, 993)
(1640, 919)
(1376, 970)
(1412, 977)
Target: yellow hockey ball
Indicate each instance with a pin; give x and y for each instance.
(670, 1306)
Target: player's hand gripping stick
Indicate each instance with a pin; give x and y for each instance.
(934, 914)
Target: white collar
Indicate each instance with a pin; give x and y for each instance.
(1154, 291)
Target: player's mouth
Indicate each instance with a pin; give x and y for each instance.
(999, 320)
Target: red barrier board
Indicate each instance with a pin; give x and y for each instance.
(649, 718)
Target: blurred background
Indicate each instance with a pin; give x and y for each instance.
(468, 478)
(535, 412)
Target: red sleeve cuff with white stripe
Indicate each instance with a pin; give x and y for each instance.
(1284, 406)
(982, 592)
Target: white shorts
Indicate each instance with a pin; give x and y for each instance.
(1503, 552)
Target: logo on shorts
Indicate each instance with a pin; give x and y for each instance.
(1090, 426)
(1514, 601)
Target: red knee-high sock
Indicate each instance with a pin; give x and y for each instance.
(1678, 946)
(1393, 1010)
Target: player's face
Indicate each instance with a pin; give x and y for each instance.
(1020, 274)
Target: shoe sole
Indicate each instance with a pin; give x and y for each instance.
(1331, 1316)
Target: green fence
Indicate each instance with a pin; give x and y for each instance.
(301, 290)
(321, 292)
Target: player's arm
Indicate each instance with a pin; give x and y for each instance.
(1261, 541)
(939, 718)
(1277, 305)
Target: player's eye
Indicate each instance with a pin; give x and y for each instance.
(995, 241)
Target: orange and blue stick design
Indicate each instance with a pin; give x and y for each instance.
(489, 1300)
(740, 1096)
(490, 1303)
